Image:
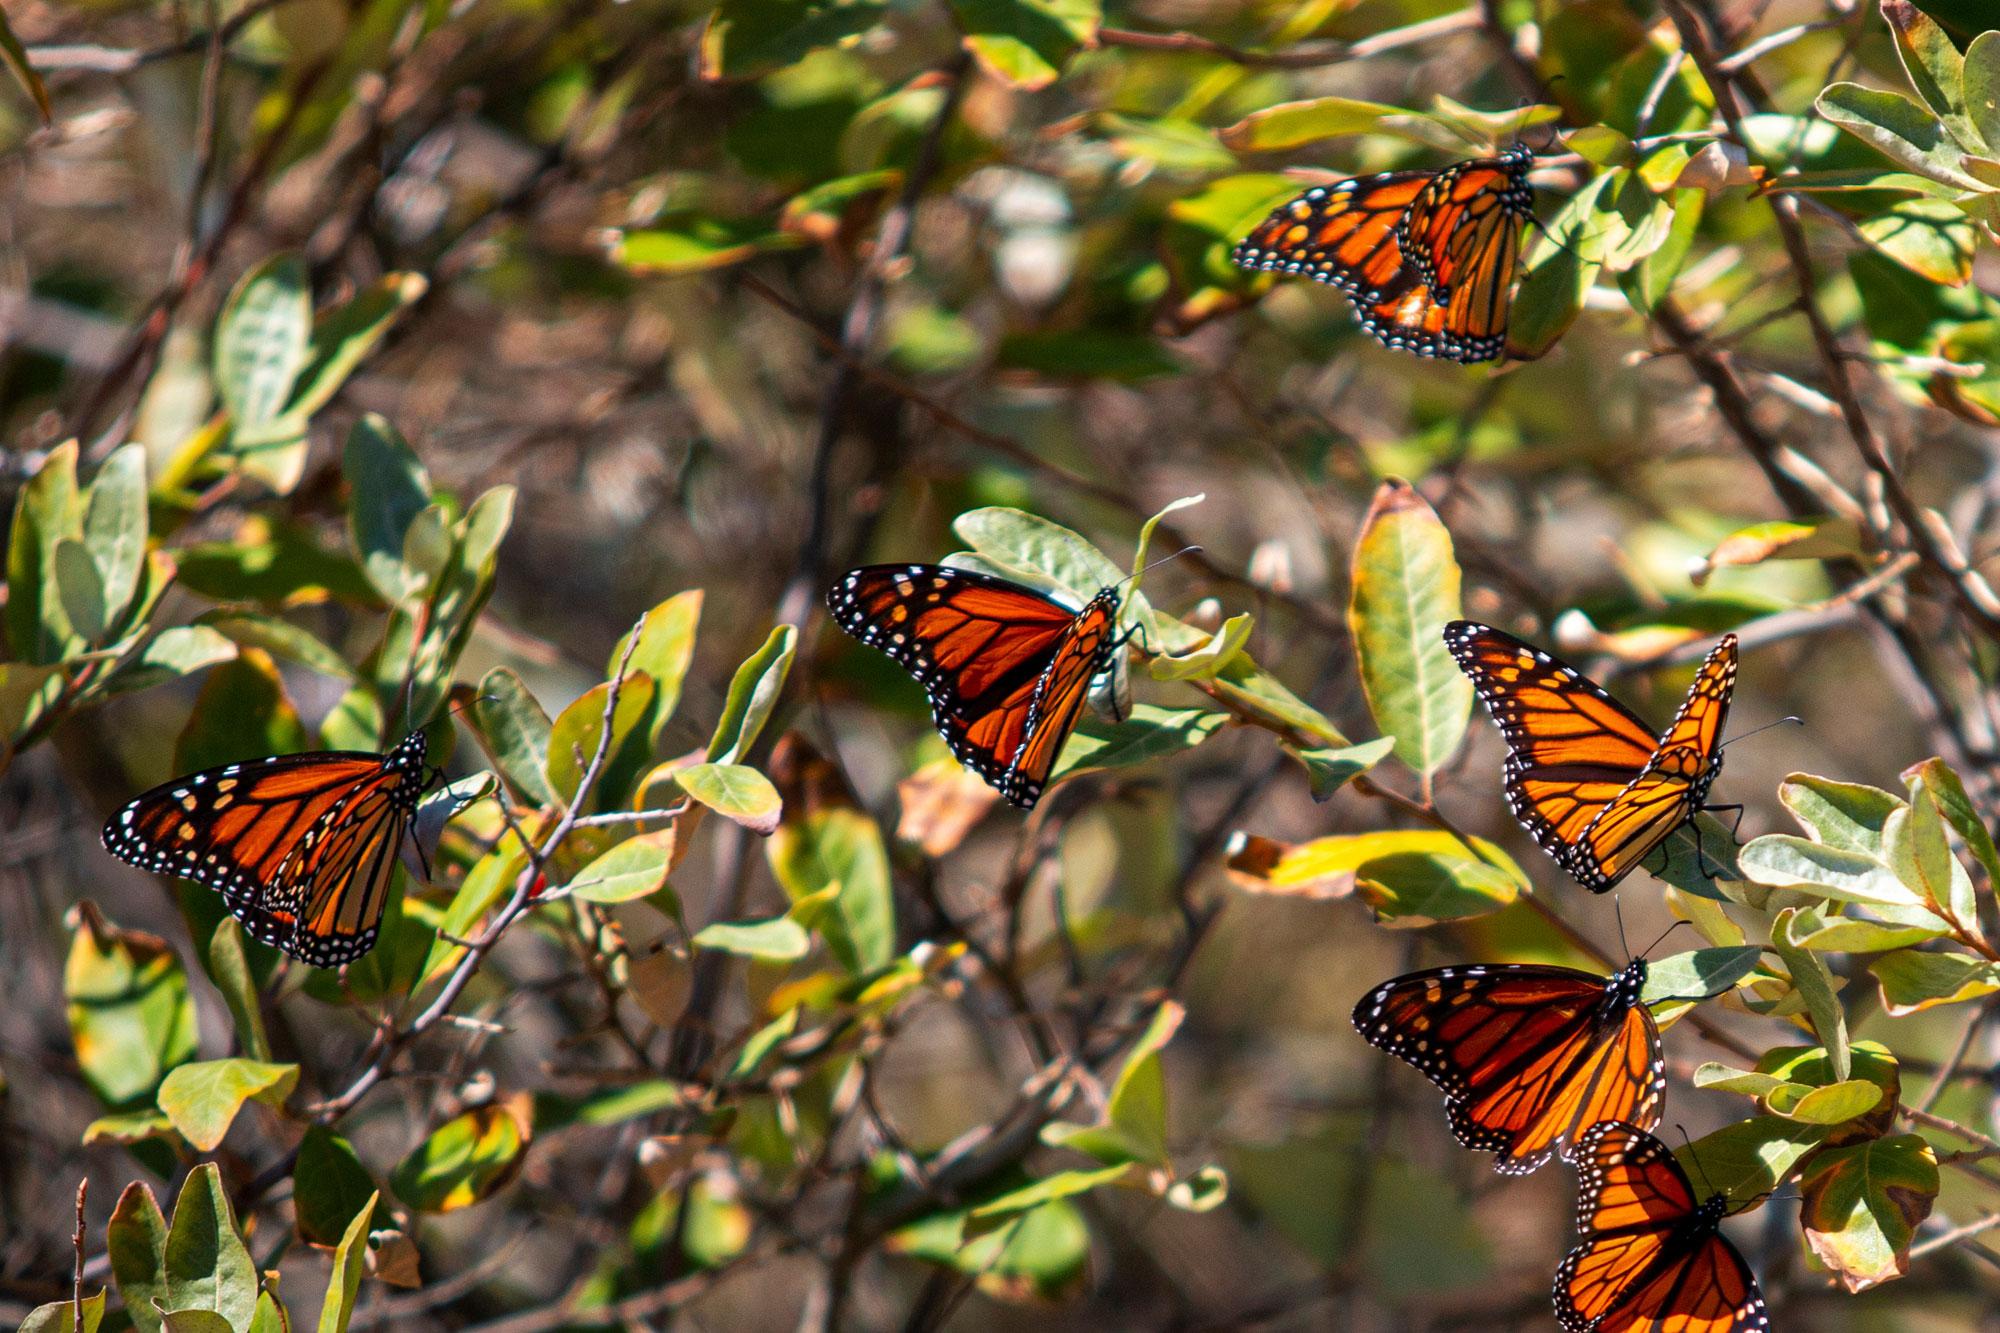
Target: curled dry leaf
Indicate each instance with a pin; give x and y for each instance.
(942, 803)
(1264, 865)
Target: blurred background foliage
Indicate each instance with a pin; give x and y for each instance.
(546, 361)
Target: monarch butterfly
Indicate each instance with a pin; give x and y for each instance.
(302, 847)
(1528, 1057)
(1007, 668)
(1651, 1257)
(1427, 257)
(1589, 781)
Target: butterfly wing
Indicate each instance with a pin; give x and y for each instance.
(1670, 790)
(1057, 700)
(1344, 235)
(1466, 222)
(1651, 1258)
(248, 830)
(1528, 1057)
(998, 660)
(1572, 748)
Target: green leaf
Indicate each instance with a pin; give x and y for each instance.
(1982, 88)
(1151, 732)
(734, 791)
(613, 1106)
(350, 1260)
(1410, 878)
(1861, 1206)
(1134, 1128)
(1913, 981)
(202, 1099)
(1256, 692)
(280, 638)
(1062, 1185)
(130, 1014)
(262, 342)
(207, 1265)
(1750, 1157)
(1919, 851)
(518, 731)
(229, 968)
(746, 38)
(137, 1241)
(1699, 974)
(1935, 68)
(1833, 1104)
(753, 693)
(1899, 129)
(17, 61)
(777, 939)
(465, 1160)
(1292, 124)
(1025, 43)
(343, 337)
(696, 245)
(664, 652)
(578, 732)
(197, 1321)
(1846, 815)
(1930, 237)
(1405, 590)
(1205, 662)
(390, 488)
(60, 1316)
(330, 1187)
(1783, 539)
(826, 842)
(114, 526)
(633, 869)
(1942, 785)
(1815, 985)
(80, 590)
(1783, 861)
(1328, 770)
(47, 510)
(1042, 1252)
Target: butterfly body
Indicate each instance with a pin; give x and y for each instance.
(1007, 669)
(1651, 1257)
(1426, 257)
(1589, 781)
(301, 847)
(1529, 1057)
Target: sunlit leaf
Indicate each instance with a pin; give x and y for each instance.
(130, 1015)
(1026, 43)
(465, 1160)
(207, 1265)
(202, 1099)
(633, 869)
(1405, 589)
(343, 1286)
(1912, 981)
(1861, 1206)
(734, 791)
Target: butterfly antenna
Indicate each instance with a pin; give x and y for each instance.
(1150, 565)
(1618, 914)
(1695, 1157)
(1663, 935)
(1756, 731)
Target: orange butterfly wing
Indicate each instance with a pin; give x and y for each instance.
(1528, 1057)
(1427, 257)
(1651, 1257)
(1585, 777)
(1344, 235)
(294, 843)
(1006, 668)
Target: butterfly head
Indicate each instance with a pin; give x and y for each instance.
(1627, 984)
